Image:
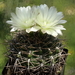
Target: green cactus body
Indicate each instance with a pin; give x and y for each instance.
(35, 54)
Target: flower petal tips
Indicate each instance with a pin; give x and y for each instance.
(35, 18)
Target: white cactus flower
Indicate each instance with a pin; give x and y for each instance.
(35, 18)
(23, 19)
(49, 20)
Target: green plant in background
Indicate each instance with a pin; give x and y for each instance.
(68, 8)
(3, 59)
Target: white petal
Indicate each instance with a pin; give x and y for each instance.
(59, 32)
(53, 15)
(13, 29)
(9, 22)
(59, 15)
(19, 13)
(62, 21)
(60, 27)
(51, 12)
(44, 10)
(52, 32)
(34, 29)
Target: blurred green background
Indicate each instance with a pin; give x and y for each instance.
(68, 9)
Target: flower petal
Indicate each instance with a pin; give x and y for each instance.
(23, 19)
(49, 20)
(34, 29)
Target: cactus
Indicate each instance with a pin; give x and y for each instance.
(35, 51)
